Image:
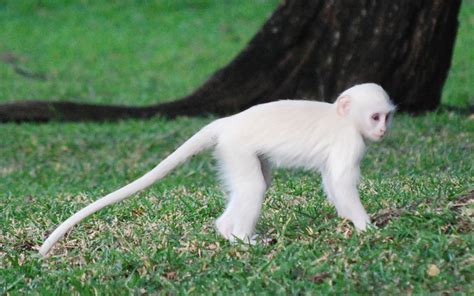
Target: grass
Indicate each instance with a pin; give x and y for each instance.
(162, 240)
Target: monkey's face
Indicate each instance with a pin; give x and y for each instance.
(369, 107)
(373, 116)
(377, 125)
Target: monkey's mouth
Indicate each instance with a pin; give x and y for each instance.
(377, 137)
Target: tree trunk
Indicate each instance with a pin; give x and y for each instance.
(310, 49)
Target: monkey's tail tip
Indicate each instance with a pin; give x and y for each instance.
(47, 245)
(44, 250)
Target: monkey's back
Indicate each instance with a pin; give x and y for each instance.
(290, 133)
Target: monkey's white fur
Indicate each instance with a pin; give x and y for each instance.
(312, 135)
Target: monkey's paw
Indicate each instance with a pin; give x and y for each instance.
(230, 231)
(361, 223)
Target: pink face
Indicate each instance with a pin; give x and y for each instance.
(378, 125)
(369, 107)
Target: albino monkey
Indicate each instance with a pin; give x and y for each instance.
(291, 133)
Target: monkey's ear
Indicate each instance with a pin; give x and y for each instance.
(342, 105)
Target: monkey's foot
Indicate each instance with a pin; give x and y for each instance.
(233, 231)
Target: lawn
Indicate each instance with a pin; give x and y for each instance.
(416, 184)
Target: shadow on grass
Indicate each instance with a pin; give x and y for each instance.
(383, 217)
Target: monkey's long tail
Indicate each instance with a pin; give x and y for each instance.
(203, 139)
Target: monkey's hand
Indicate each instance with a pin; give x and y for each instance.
(361, 222)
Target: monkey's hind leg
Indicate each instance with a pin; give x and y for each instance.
(242, 173)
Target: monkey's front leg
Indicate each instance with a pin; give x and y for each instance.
(342, 192)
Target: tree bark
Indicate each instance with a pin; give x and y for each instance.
(309, 49)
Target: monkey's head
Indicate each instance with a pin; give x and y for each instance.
(369, 107)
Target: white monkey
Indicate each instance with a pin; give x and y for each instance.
(291, 133)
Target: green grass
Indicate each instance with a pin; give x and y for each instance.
(162, 240)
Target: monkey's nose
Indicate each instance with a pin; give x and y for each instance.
(381, 133)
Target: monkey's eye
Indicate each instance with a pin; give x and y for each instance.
(375, 117)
